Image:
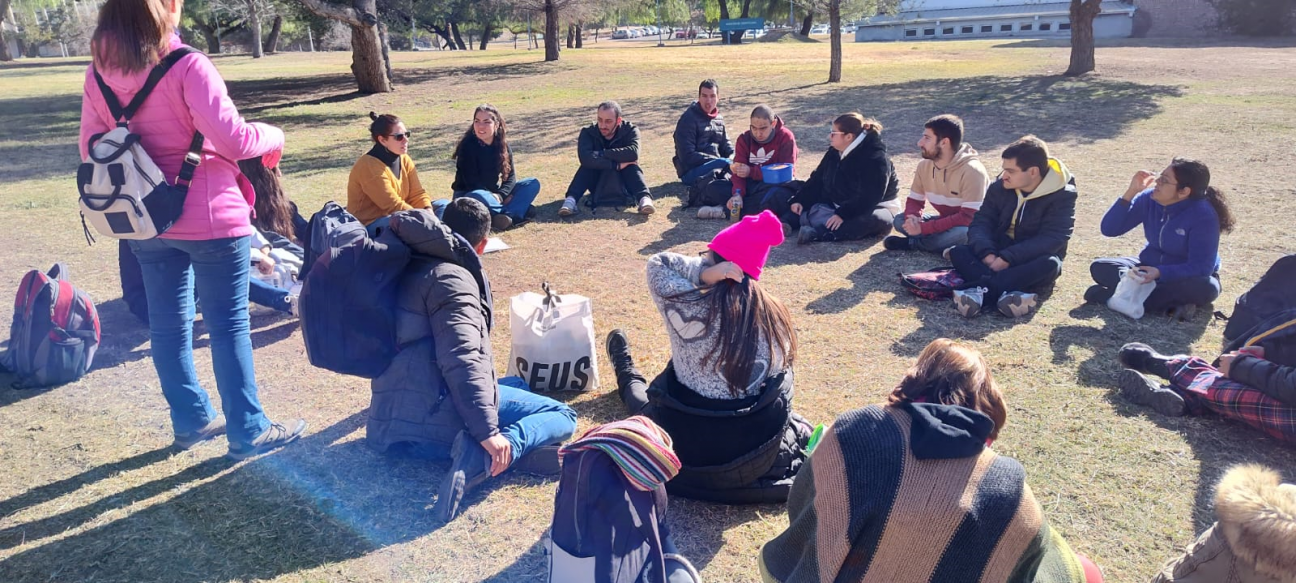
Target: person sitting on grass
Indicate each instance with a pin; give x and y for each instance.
(701, 145)
(484, 170)
(439, 398)
(384, 179)
(725, 398)
(767, 141)
(852, 194)
(276, 244)
(1017, 241)
(608, 151)
(1182, 217)
(911, 491)
(952, 179)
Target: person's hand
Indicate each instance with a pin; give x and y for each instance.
(989, 260)
(833, 222)
(1147, 273)
(1226, 362)
(624, 165)
(722, 271)
(271, 160)
(500, 452)
(912, 225)
(796, 208)
(741, 170)
(730, 204)
(266, 265)
(998, 264)
(1143, 180)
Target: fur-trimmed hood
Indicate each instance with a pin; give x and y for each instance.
(1257, 514)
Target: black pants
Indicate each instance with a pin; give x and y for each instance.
(761, 197)
(629, 179)
(633, 390)
(132, 282)
(1021, 278)
(866, 225)
(1197, 291)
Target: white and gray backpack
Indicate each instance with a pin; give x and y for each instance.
(123, 193)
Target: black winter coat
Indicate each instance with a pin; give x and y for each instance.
(478, 168)
(443, 379)
(1044, 219)
(600, 153)
(1275, 374)
(856, 184)
(699, 138)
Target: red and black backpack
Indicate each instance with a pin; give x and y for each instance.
(933, 284)
(55, 331)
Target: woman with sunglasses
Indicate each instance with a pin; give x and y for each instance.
(1182, 217)
(852, 194)
(384, 180)
(484, 170)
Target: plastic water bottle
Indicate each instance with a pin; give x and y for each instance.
(736, 204)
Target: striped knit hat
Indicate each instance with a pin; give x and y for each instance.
(639, 447)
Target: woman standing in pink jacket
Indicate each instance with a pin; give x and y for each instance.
(206, 251)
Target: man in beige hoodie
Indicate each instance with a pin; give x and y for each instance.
(952, 179)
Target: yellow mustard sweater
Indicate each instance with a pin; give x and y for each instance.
(374, 192)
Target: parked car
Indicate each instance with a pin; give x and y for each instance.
(620, 34)
(848, 28)
(651, 30)
(686, 33)
(819, 29)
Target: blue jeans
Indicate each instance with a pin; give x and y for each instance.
(935, 242)
(523, 194)
(707, 167)
(529, 421)
(217, 270)
(264, 294)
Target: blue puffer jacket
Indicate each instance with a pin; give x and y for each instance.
(1182, 239)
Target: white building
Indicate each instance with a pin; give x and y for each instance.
(955, 19)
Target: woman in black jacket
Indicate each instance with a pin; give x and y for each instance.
(852, 194)
(484, 170)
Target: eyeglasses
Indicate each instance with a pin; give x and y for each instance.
(1163, 181)
(401, 137)
(830, 134)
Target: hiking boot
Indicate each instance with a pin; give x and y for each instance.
(541, 461)
(712, 212)
(1097, 294)
(646, 206)
(1140, 390)
(276, 436)
(568, 207)
(1018, 304)
(470, 466)
(212, 429)
(618, 349)
(968, 301)
(1142, 358)
(896, 243)
(807, 234)
(501, 222)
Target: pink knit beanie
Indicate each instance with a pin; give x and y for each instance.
(747, 243)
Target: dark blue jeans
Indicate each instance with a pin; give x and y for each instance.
(707, 167)
(527, 420)
(1019, 278)
(217, 271)
(1197, 291)
(523, 194)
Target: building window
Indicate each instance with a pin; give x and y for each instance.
(987, 28)
(1046, 26)
(949, 30)
(929, 32)
(1005, 28)
(1026, 27)
(966, 30)
(911, 32)
(1064, 26)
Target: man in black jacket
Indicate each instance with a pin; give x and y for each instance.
(701, 144)
(609, 163)
(1019, 237)
(439, 397)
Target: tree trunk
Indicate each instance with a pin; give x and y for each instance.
(580, 35)
(444, 33)
(276, 28)
(551, 30)
(726, 38)
(486, 34)
(386, 46)
(6, 15)
(807, 23)
(254, 18)
(571, 36)
(458, 39)
(834, 26)
(1082, 36)
(367, 63)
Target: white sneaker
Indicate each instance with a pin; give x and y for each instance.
(968, 301)
(646, 206)
(293, 306)
(712, 212)
(1017, 304)
(568, 208)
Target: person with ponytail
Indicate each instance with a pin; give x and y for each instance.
(484, 170)
(726, 395)
(277, 253)
(206, 252)
(1183, 217)
(910, 490)
(852, 194)
(384, 179)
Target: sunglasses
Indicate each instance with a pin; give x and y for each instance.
(402, 137)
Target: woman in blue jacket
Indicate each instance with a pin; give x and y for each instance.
(1182, 217)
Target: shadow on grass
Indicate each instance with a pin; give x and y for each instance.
(1101, 368)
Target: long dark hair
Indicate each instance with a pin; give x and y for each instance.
(747, 315)
(272, 209)
(131, 35)
(500, 143)
(1195, 176)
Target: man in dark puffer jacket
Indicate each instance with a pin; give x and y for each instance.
(439, 398)
(702, 145)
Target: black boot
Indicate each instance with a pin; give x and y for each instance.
(470, 466)
(1140, 357)
(618, 349)
(1140, 390)
(1097, 294)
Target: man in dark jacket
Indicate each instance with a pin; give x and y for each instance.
(439, 398)
(1019, 237)
(701, 144)
(609, 163)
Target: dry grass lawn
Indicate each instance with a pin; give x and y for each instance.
(89, 490)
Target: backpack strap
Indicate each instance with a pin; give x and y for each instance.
(192, 160)
(124, 114)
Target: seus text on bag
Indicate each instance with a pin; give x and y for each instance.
(553, 342)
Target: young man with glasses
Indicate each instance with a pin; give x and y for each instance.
(608, 151)
(767, 141)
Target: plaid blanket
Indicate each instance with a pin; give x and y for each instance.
(1205, 388)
